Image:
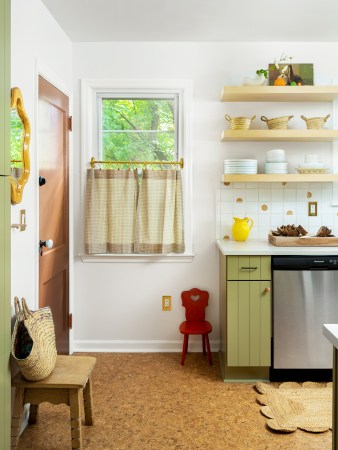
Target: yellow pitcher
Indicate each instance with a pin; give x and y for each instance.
(241, 228)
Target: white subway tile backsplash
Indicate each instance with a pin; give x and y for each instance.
(289, 195)
(276, 195)
(226, 207)
(301, 195)
(251, 195)
(239, 193)
(290, 219)
(227, 195)
(316, 195)
(277, 207)
(264, 220)
(327, 220)
(252, 207)
(264, 194)
(276, 220)
(239, 209)
(263, 233)
(326, 195)
(271, 205)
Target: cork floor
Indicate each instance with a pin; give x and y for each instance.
(148, 401)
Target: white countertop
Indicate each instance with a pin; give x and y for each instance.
(330, 331)
(262, 247)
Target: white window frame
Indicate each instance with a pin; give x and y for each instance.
(89, 145)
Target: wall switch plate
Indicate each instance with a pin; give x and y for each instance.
(166, 303)
(312, 211)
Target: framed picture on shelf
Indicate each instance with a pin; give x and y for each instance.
(299, 74)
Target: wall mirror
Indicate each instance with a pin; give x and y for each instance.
(20, 139)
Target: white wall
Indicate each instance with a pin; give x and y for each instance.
(118, 305)
(38, 44)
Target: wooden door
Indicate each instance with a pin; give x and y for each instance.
(53, 208)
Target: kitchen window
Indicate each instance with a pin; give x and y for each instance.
(141, 121)
(137, 128)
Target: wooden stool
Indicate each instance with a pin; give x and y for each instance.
(66, 384)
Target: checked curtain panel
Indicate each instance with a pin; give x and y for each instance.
(125, 217)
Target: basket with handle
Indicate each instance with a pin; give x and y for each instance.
(239, 123)
(278, 123)
(315, 123)
(33, 341)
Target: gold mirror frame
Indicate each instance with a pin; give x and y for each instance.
(18, 185)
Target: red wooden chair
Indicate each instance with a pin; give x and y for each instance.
(195, 301)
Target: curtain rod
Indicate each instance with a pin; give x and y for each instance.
(180, 163)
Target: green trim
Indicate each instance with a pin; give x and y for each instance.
(5, 310)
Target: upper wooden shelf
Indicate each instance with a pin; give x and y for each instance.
(279, 94)
(279, 178)
(323, 135)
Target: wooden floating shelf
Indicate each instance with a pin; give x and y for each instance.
(279, 94)
(279, 178)
(323, 135)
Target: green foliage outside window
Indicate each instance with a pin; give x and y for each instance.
(138, 129)
(16, 138)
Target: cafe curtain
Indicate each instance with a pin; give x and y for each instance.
(159, 221)
(122, 218)
(110, 211)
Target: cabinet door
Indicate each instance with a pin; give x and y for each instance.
(248, 323)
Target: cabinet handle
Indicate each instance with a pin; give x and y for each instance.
(267, 289)
(248, 268)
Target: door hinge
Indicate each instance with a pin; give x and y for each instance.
(70, 123)
(70, 321)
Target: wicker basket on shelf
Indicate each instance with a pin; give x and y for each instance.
(279, 123)
(315, 123)
(239, 123)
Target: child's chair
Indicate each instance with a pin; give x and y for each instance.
(195, 302)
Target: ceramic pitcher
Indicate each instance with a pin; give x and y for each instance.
(241, 228)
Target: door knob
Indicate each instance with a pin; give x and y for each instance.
(49, 244)
(42, 181)
(267, 289)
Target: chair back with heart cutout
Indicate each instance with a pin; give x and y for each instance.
(195, 301)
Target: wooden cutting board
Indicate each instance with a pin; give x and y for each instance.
(285, 241)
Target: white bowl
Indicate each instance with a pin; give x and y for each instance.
(275, 155)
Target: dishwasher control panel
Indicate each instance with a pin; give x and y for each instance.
(305, 262)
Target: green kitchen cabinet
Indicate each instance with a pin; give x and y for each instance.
(245, 316)
(248, 323)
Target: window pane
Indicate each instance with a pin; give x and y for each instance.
(138, 129)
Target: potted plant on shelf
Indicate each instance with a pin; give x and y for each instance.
(285, 74)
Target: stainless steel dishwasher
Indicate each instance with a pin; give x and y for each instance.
(305, 296)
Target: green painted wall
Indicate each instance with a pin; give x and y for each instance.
(5, 412)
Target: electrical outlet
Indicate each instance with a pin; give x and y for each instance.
(312, 211)
(166, 303)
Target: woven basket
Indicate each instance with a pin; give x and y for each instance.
(315, 123)
(33, 341)
(239, 123)
(279, 123)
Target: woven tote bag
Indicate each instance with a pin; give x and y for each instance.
(33, 341)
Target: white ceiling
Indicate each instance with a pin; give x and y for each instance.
(197, 20)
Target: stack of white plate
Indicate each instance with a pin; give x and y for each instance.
(240, 165)
(276, 167)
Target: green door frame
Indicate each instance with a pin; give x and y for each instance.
(5, 211)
